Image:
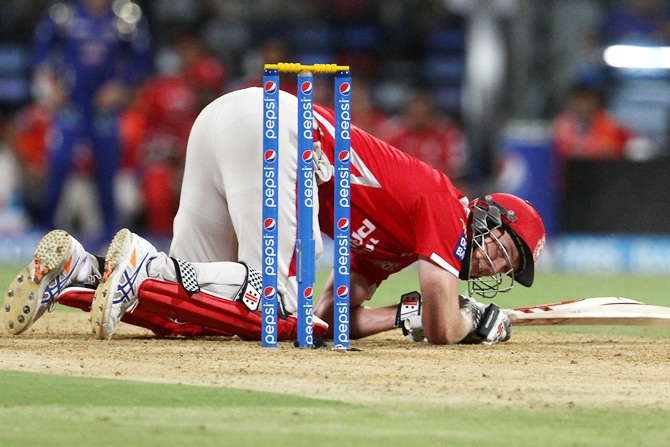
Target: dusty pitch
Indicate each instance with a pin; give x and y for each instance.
(531, 371)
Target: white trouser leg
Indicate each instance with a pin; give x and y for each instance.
(219, 278)
(220, 211)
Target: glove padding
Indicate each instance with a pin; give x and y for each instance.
(410, 306)
(490, 324)
(412, 328)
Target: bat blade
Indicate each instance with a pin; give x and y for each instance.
(592, 311)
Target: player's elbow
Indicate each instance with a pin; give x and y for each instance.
(443, 336)
(444, 329)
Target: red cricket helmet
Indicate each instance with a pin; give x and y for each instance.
(525, 226)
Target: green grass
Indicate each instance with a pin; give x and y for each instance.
(49, 410)
(45, 410)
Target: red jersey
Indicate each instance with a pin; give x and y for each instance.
(401, 207)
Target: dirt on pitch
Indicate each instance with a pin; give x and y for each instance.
(534, 370)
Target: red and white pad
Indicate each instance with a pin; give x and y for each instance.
(169, 300)
(82, 298)
(166, 309)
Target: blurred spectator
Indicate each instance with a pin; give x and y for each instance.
(13, 219)
(586, 129)
(425, 133)
(270, 51)
(629, 22)
(166, 108)
(18, 19)
(28, 134)
(637, 22)
(8, 167)
(206, 74)
(364, 112)
(88, 58)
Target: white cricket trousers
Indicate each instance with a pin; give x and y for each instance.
(220, 209)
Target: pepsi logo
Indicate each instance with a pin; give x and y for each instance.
(344, 156)
(343, 223)
(269, 292)
(269, 224)
(307, 156)
(345, 88)
(270, 155)
(308, 292)
(342, 291)
(306, 87)
(270, 87)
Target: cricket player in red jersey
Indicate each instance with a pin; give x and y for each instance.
(402, 211)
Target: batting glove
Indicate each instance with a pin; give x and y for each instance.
(408, 316)
(490, 324)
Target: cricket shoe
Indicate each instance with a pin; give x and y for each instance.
(59, 261)
(126, 263)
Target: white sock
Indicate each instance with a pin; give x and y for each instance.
(88, 271)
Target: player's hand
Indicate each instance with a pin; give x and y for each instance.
(501, 330)
(490, 324)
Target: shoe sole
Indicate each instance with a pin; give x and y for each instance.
(103, 298)
(25, 293)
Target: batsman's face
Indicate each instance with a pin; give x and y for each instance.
(498, 254)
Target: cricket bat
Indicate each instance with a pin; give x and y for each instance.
(592, 311)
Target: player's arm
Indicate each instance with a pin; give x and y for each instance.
(448, 318)
(441, 316)
(324, 306)
(364, 321)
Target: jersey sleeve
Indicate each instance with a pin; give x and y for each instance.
(440, 228)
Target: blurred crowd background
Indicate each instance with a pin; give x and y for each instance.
(563, 102)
